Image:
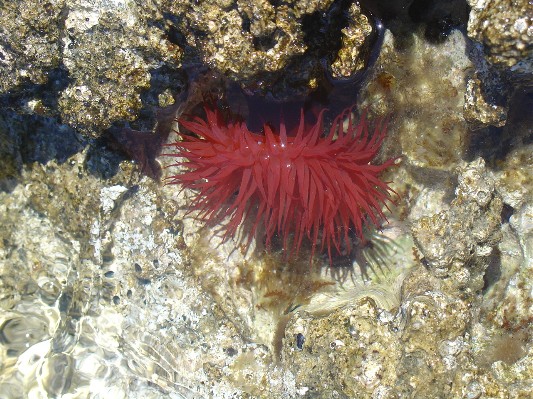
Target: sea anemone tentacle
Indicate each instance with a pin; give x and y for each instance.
(304, 185)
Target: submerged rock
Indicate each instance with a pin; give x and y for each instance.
(458, 242)
(109, 286)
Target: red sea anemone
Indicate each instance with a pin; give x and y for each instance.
(303, 185)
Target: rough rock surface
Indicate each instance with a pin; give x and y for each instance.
(505, 28)
(108, 287)
(30, 48)
(110, 63)
(458, 242)
(95, 64)
(479, 111)
(502, 51)
(88, 63)
(253, 41)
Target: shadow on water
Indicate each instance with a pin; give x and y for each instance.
(36, 135)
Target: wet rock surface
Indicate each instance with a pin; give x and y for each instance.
(86, 64)
(108, 286)
(502, 52)
(457, 243)
(31, 46)
(505, 30)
